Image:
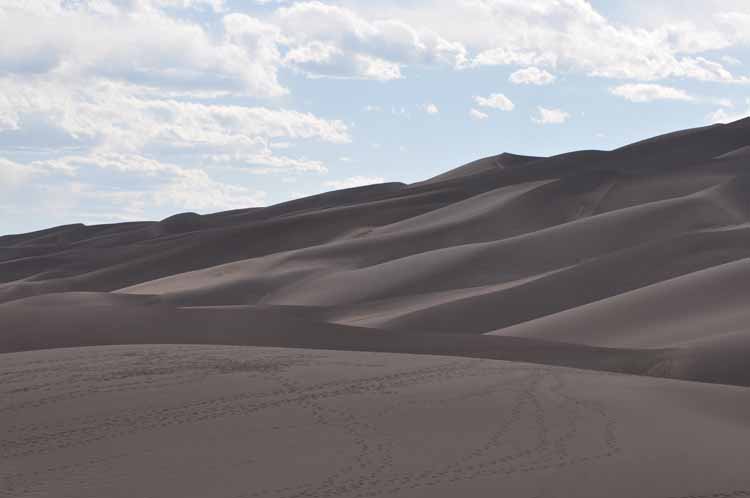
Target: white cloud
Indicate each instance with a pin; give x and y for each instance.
(92, 90)
(319, 60)
(372, 108)
(169, 188)
(193, 189)
(264, 163)
(573, 35)
(138, 41)
(354, 181)
(13, 174)
(315, 52)
(133, 42)
(99, 95)
(400, 111)
(724, 115)
(648, 92)
(431, 109)
(334, 41)
(506, 56)
(550, 116)
(478, 115)
(732, 61)
(116, 117)
(495, 101)
(280, 145)
(215, 5)
(723, 102)
(531, 76)
(375, 68)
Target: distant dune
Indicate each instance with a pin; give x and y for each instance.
(540, 285)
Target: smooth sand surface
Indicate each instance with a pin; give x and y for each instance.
(235, 422)
(568, 326)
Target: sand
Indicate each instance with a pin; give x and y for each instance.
(573, 325)
(197, 421)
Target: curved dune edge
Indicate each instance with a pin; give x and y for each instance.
(633, 260)
(225, 422)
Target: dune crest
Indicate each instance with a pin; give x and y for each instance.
(631, 260)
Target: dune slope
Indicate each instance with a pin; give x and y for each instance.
(631, 260)
(230, 422)
(566, 326)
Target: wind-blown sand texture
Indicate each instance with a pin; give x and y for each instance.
(239, 422)
(555, 315)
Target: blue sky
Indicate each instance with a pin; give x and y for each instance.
(117, 110)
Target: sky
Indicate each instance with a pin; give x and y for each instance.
(121, 110)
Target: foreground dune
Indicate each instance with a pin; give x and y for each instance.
(197, 421)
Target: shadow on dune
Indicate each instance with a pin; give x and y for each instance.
(632, 260)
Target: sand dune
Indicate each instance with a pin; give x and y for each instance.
(692, 307)
(484, 165)
(549, 294)
(465, 334)
(96, 319)
(521, 245)
(524, 246)
(197, 421)
(742, 152)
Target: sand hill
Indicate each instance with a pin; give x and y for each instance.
(565, 326)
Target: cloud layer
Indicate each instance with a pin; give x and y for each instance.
(648, 92)
(121, 109)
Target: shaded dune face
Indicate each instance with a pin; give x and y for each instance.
(633, 260)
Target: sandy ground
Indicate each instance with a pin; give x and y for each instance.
(197, 421)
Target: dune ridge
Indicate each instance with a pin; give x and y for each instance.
(630, 260)
(569, 326)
